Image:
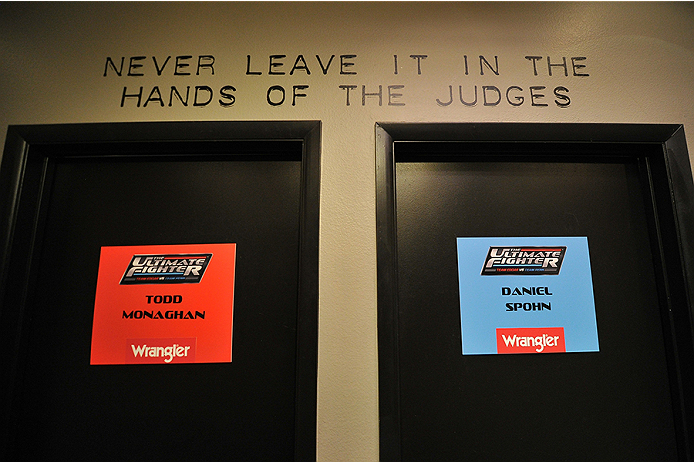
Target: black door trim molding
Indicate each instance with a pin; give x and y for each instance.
(666, 171)
(28, 149)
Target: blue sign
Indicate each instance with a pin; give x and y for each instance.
(526, 295)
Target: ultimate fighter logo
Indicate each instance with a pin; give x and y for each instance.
(166, 269)
(523, 260)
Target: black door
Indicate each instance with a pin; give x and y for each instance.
(245, 193)
(622, 402)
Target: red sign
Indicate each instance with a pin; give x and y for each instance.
(164, 304)
(530, 340)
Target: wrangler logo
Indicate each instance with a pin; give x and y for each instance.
(530, 340)
(160, 350)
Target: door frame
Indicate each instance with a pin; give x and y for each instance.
(666, 172)
(25, 169)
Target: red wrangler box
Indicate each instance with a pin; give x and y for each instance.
(530, 340)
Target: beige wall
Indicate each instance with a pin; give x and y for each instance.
(639, 59)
